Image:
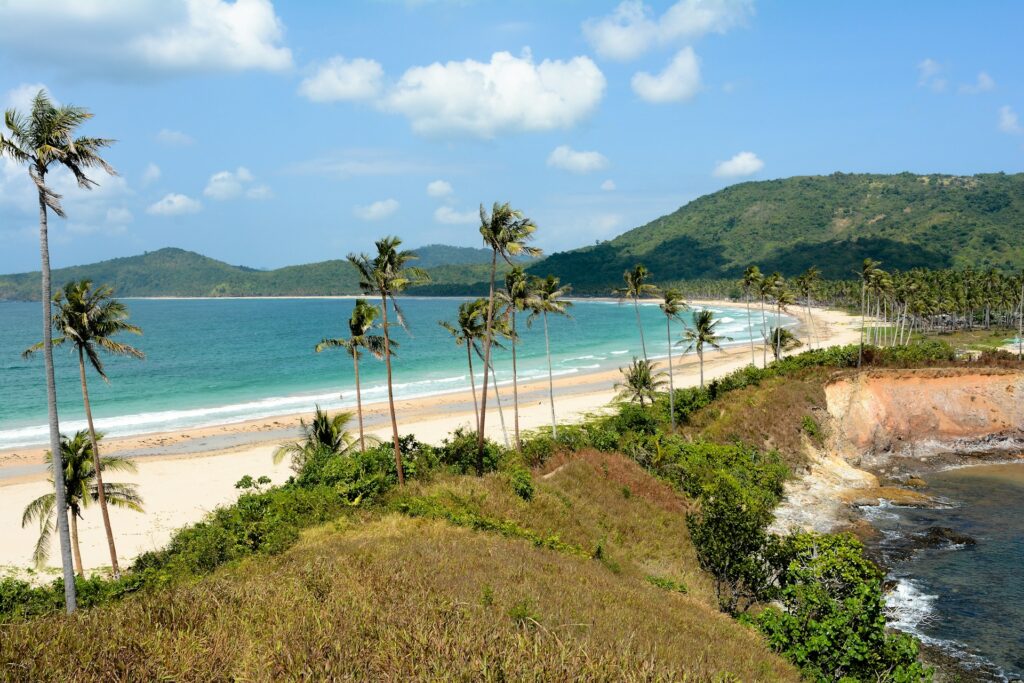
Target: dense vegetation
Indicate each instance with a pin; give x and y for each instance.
(834, 222)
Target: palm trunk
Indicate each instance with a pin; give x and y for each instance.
(863, 321)
(76, 550)
(63, 532)
(700, 357)
(778, 333)
(750, 327)
(391, 393)
(472, 380)
(101, 494)
(1020, 325)
(671, 381)
(810, 323)
(497, 400)
(551, 381)
(643, 346)
(359, 398)
(487, 362)
(764, 336)
(515, 386)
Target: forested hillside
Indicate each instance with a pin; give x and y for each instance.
(833, 222)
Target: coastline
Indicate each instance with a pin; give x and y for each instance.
(183, 475)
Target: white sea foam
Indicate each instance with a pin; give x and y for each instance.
(909, 607)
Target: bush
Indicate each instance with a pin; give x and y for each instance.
(632, 417)
(459, 452)
(521, 481)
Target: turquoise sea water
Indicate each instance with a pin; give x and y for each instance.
(215, 361)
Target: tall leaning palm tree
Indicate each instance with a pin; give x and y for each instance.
(765, 289)
(387, 275)
(40, 140)
(637, 288)
(751, 280)
(82, 486)
(89, 318)
(362, 320)
(806, 283)
(702, 333)
(868, 273)
(548, 301)
(506, 232)
(467, 330)
(672, 305)
(519, 297)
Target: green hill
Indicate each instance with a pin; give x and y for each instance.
(833, 222)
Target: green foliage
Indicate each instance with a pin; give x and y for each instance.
(830, 618)
(521, 481)
(811, 428)
(459, 452)
(667, 584)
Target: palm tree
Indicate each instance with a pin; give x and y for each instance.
(360, 323)
(703, 333)
(672, 305)
(40, 140)
(641, 381)
(868, 272)
(468, 328)
(325, 433)
(548, 300)
(765, 289)
(506, 232)
(637, 288)
(387, 275)
(806, 284)
(519, 296)
(82, 486)
(783, 298)
(783, 340)
(502, 329)
(751, 279)
(89, 318)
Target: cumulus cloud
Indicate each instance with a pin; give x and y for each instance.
(340, 79)
(983, 83)
(439, 188)
(1009, 122)
(377, 210)
(228, 184)
(678, 82)
(744, 163)
(608, 185)
(929, 75)
(508, 93)
(145, 37)
(448, 215)
(568, 159)
(259, 192)
(174, 204)
(174, 138)
(632, 28)
(151, 174)
(119, 216)
(21, 97)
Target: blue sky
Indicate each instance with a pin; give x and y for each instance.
(269, 134)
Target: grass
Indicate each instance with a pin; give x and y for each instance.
(379, 595)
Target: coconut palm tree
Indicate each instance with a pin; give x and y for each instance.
(519, 297)
(765, 290)
(751, 279)
(500, 329)
(783, 340)
(783, 298)
(468, 328)
(702, 333)
(88, 318)
(641, 381)
(672, 305)
(806, 284)
(82, 486)
(40, 140)
(362, 320)
(387, 275)
(506, 232)
(868, 272)
(324, 433)
(637, 288)
(548, 300)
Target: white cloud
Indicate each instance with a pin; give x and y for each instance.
(361, 163)
(1009, 121)
(448, 215)
(228, 184)
(174, 138)
(744, 163)
(259, 192)
(929, 75)
(608, 185)
(568, 159)
(151, 174)
(507, 93)
(679, 81)
(21, 97)
(983, 83)
(174, 204)
(341, 79)
(113, 39)
(377, 210)
(119, 216)
(632, 28)
(439, 188)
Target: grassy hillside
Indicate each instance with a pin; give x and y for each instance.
(833, 222)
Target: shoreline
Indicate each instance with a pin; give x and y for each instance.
(217, 456)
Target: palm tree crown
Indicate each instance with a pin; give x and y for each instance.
(324, 433)
(641, 381)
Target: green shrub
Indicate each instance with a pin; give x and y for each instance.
(538, 448)
(521, 481)
(667, 584)
(459, 452)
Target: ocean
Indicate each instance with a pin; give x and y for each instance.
(217, 361)
(966, 599)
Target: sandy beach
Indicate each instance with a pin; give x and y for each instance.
(184, 475)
